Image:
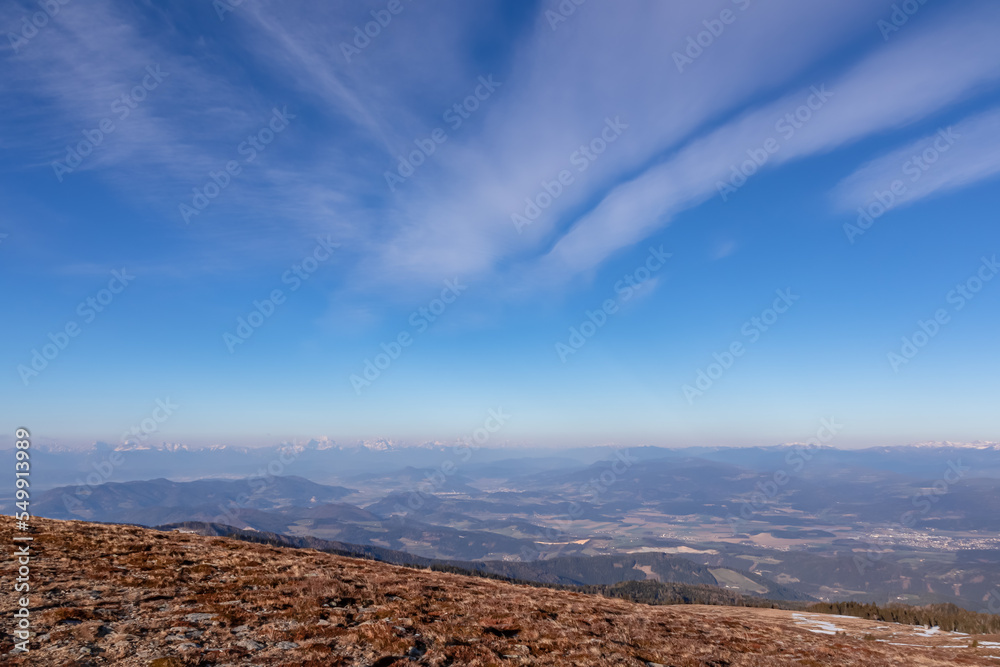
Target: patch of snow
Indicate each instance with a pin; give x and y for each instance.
(901, 644)
(821, 627)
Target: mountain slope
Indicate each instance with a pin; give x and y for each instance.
(126, 595)
(564, 571)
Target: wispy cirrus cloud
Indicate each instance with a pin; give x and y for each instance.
(952, 158)
(81, 71)
(921, 73)
(81, 66)
(561, 86)
(558, 88)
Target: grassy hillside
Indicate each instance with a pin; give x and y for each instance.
(125, 595)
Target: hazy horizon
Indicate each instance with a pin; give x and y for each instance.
(514, 446)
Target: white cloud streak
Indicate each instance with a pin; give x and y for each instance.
(948, 160)
(918, 75)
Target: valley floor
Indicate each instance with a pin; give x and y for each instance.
(122, 595)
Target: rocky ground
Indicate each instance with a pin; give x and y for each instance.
(123, 595)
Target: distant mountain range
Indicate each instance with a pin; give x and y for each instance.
(330, 462)
(323, 444)
(385, 445)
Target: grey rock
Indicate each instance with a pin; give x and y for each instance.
(197, 618)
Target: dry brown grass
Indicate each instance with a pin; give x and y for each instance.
(123, 595)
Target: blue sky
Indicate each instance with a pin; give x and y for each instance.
(573, 212)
